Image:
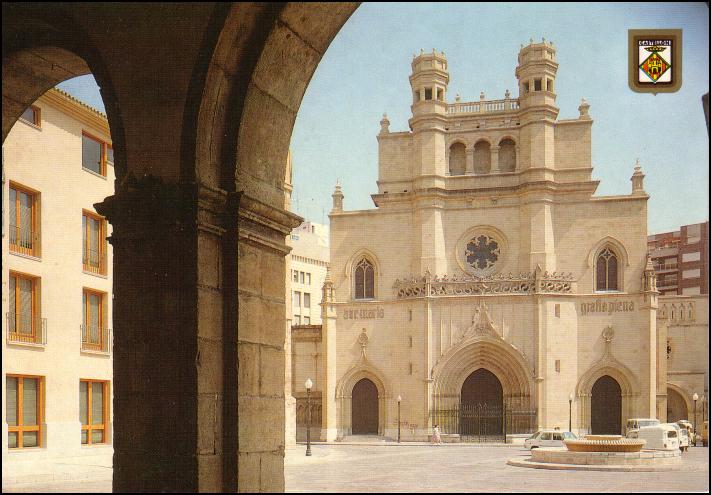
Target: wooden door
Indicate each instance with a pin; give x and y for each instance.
(364, 408)
(606, 407)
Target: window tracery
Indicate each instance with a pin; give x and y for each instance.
(364, 276)
(606, 270)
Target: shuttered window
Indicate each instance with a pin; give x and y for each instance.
(22, 320)
(23, 224)
(94, 243)
(24, 411)
(93, 329)
(93, 411)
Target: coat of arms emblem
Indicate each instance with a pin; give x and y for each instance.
(655, 60)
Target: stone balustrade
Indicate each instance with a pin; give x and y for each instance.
(469, 285)
(490, 106)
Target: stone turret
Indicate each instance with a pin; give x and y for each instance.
(536, 72)
(337, 198)
(637, 180)
(429, 80)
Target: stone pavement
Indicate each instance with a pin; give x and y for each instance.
(405, 467)
(465, 468)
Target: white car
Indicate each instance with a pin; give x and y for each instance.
(548, 438)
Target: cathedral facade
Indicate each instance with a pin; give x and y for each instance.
(490, 292)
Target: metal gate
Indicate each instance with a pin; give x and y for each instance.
(481, 423)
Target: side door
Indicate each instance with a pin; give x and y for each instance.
(545, 439)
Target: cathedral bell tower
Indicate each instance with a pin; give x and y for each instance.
(429, 80)
(536, 71)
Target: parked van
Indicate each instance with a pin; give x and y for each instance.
(637, 423)
(683, 435)
(659, 437)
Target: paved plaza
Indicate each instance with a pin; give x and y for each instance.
(444, 468)
(466, 468)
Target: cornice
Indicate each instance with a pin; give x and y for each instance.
(72, 107)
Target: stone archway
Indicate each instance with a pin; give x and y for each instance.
(625, 379)
(201, 100)
(364, 408)
(676, 406)
(481, 405)
(606, 407)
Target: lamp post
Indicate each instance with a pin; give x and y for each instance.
(570, 412)
(695, 397)
(703, 408)
(308, 386)
(399, 399)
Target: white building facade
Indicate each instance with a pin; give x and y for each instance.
(56, 289)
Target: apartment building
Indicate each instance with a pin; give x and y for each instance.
(681, 259)
(308, 263)
(56, 289)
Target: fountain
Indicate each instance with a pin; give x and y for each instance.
(605, 443)
(602, 453)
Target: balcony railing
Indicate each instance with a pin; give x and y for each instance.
(95, 339)
(483, 106)
(26, 329)
(94, 261)
(24, 241)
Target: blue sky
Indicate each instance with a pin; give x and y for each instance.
(365, 73)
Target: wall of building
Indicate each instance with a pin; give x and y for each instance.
(48, 159)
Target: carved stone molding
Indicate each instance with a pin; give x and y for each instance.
(145, 206)
(265, 225)
(465, 285)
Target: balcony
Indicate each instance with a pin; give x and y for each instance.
(94, 261)
(489, 106)
(95, 339)
(23, 241)
(26, 329)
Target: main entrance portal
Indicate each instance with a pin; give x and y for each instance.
(481, 408)
(606, 407)
(364, 409)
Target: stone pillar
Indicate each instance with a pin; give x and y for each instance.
(470, 160)
(260, 343)
(662, 373)
(329, 418)
(173, 384)
(495, 159)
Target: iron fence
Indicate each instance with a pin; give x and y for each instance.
(484, 422)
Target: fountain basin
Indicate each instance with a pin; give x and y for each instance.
(605, 443)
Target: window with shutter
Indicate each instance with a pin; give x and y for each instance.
(23, 228)
(23, 322)
(93, 413)
(24, 411)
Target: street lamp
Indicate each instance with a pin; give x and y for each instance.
(308, 386)
(570, 412)
(695, 397)
(399, 399)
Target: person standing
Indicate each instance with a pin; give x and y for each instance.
(436, 438)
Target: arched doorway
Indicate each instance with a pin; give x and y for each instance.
(676, 406)
(364, 408)
(481, 405)
(606, 407)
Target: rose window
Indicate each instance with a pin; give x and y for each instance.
(482, 252)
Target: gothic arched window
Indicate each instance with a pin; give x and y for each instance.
(606, 270)
(364, 280)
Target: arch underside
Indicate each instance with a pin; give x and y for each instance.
(488, 353)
